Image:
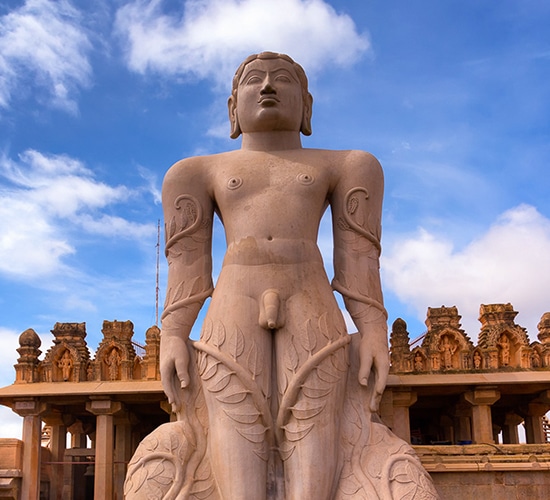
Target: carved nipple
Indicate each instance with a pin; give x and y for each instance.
(270, 304)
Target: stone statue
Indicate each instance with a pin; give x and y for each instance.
(504, 344)
(447, 352)
(113, 362)
(66, 365)
(270, 402)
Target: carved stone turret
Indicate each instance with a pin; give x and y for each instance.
(27, 367)
(68, 359)
(152, 353)
(446, 346)
(400, 351)
(115, 355)
(503, 342)
(544, 337)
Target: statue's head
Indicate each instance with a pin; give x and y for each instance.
(298, 76)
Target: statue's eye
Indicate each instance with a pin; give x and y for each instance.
(283, 78)
(253, 80)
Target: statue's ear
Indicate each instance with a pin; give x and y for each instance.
(306, 115)
(233, 120)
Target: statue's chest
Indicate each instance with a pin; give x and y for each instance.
(272, 181)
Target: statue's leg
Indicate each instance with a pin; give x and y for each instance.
(235, 367)
(311, 375)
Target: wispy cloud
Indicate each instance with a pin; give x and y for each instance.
(509, 263)
(44, 44)
(210, 37)
(45, 199)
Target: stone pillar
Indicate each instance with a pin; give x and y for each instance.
(123, 452)
(533, 413)
(402, 400)
(481, 400)
(31, 410)
(104, 410)
(510, 428)
(534, 432)
(58, 444)
(462, 422)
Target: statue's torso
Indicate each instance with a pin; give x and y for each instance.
(277, 200)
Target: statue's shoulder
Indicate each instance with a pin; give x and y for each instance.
(351, 162)
(193, 167)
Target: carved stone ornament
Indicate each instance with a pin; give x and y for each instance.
(175, 461)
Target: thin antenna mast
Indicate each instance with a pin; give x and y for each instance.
(157, 277)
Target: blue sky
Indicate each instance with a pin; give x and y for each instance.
(98, 99)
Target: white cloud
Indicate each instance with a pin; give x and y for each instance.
(211, 37)
(509, 263)
(45, 199)
(8, 355)
(43, 43)
(12, 424)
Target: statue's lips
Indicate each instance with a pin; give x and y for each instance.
(268, 100)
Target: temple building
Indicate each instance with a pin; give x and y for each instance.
(474, 413)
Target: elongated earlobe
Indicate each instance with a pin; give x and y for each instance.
(306, 115)
(233, 120)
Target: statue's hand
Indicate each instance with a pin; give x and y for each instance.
(174, 367)
(374, 356)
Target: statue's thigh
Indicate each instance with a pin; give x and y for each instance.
(311, 377)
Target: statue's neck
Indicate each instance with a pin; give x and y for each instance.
(271, 141)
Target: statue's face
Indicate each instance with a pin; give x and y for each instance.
(269, 97)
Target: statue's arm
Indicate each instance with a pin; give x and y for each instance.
(356, 205)
(188, 215)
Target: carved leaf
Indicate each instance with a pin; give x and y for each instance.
(219, 335)
(202, 491)
(236, 343)
(353, 203)
(168, 299)
(254, 433)
(244, 414)
(316, 392)
(352, 415)
(196, 286)
(338, 360)
(295, 432)
(202, 362)
(286, 450)
(206, 331)
(210, 371)
(283, 384)
(235, 396)
(172, 227)
(308, 412)
(349, 486)
(262, 453)
(203, 472)
(327, 375)
(291, 355)
(179, 292)
(323, 326)
(342, 224)
(221, 384)
(254, 362)
(308, 337)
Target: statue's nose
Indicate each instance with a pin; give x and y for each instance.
(268, 87)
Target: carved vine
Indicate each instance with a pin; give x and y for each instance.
(348, 223)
